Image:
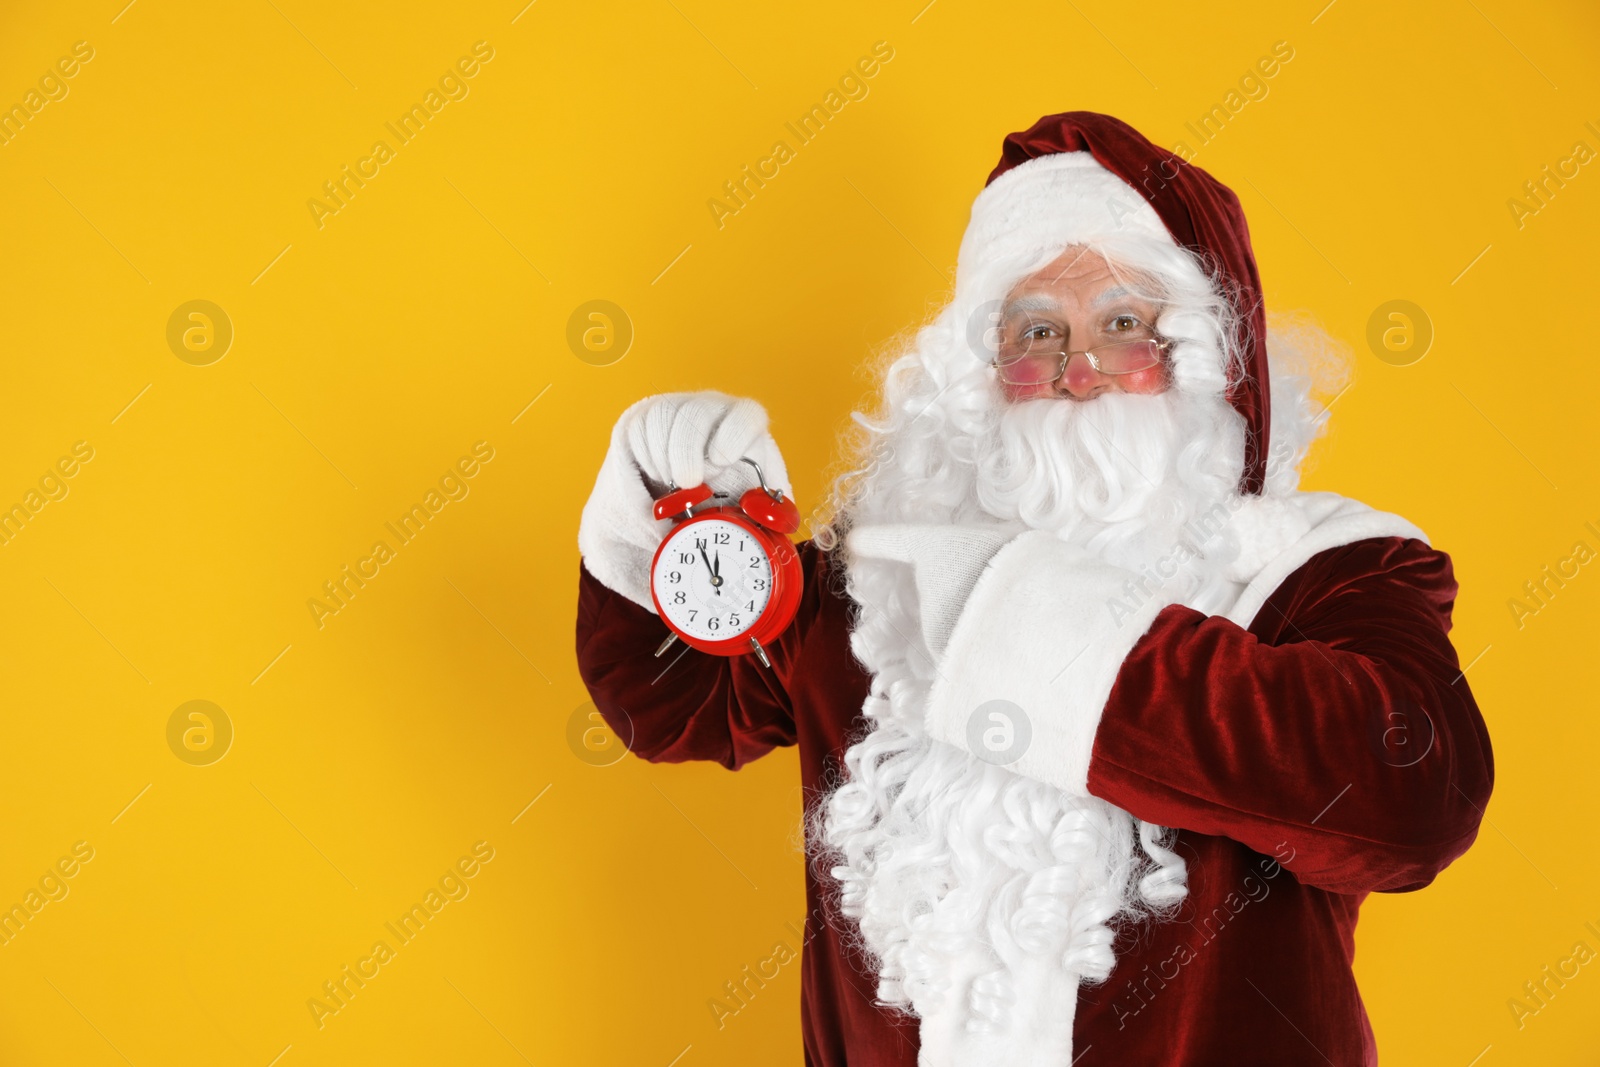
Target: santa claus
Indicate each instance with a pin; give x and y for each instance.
(1106, 728)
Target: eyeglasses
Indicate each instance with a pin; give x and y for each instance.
(1031, 360)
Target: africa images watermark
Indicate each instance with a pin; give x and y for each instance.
(341, 989)
(1553, 577)
(1255, 889)
(1537, 995)
(754, 978)
(52, 886)
(1252, 87)
(853, 86)
(1198, 531)
(1538, 192)
(352, 578)
(452, 86)
(51, 87)
(52, 487)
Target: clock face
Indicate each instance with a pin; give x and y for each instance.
(712, 579)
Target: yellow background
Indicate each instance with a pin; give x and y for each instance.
(369, 354)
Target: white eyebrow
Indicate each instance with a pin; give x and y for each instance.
(1031, 302)
(1116, 292)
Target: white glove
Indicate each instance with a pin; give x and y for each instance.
(946, 562)
(685, 439)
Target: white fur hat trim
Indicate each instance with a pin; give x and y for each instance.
(1047, 203)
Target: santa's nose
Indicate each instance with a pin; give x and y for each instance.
(1080, 379)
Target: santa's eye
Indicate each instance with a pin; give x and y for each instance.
(1125, 324)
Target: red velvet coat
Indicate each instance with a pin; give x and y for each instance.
(1331, 750)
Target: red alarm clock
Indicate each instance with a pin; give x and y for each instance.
(726, 580)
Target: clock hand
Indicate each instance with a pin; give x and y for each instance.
(716, 579)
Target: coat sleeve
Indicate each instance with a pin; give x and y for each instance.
(688, 704)
(1337, 732)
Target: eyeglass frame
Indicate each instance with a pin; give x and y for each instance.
(1163, 345)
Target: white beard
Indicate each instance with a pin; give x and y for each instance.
(942, 858)
(1120, 475)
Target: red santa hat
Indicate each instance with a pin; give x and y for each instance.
(1080, 175)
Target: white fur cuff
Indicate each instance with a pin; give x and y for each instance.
(946, 562)
(1033, 658)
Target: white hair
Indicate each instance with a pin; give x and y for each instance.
(935, 852)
